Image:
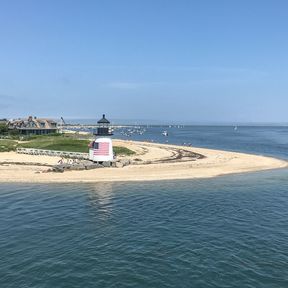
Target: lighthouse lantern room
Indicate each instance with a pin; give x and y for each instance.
(101, 149)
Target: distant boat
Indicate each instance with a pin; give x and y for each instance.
(235, 128)
(165, 133)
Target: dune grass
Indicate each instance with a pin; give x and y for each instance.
(122, 151)
(58, 143)
(7, 145)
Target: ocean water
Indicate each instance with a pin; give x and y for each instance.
(229, 231)
(271, 141)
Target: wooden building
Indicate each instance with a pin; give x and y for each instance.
(33, 126)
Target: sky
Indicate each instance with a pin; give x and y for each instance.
(173, 60)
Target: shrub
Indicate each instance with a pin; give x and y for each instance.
(3, 129)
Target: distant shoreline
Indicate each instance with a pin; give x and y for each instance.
(152, 162)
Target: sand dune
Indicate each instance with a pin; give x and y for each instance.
(154, 162)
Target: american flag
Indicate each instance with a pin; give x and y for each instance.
(101, 149)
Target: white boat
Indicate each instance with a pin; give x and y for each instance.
(165, 133)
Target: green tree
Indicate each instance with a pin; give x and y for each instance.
(14, 134)
(3, 128)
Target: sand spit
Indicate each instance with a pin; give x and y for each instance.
(151, 162)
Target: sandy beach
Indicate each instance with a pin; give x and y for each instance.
(150, 162)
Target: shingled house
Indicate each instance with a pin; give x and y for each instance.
(36, 126)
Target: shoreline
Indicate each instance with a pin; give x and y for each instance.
(152, 162)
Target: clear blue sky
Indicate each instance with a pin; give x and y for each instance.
(184, 60)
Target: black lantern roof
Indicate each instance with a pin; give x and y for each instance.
(103, 120)
(103, 127)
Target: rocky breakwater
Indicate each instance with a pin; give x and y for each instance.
(87, 165)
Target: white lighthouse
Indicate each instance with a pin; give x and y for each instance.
(101, 149)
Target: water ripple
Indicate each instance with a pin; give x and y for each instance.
(212, 233)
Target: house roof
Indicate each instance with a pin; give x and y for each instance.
(33, 123)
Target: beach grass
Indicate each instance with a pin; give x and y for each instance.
(57, 143)
(118, 150)
(7, 145)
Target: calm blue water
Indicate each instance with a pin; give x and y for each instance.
(271, 141)
(229, 231)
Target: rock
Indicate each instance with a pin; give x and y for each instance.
(58, 169)
(83, 165)
(125, 162)
(78, 167)
(119, 165)
(92, 165)
(106, 164)
(87, 162)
